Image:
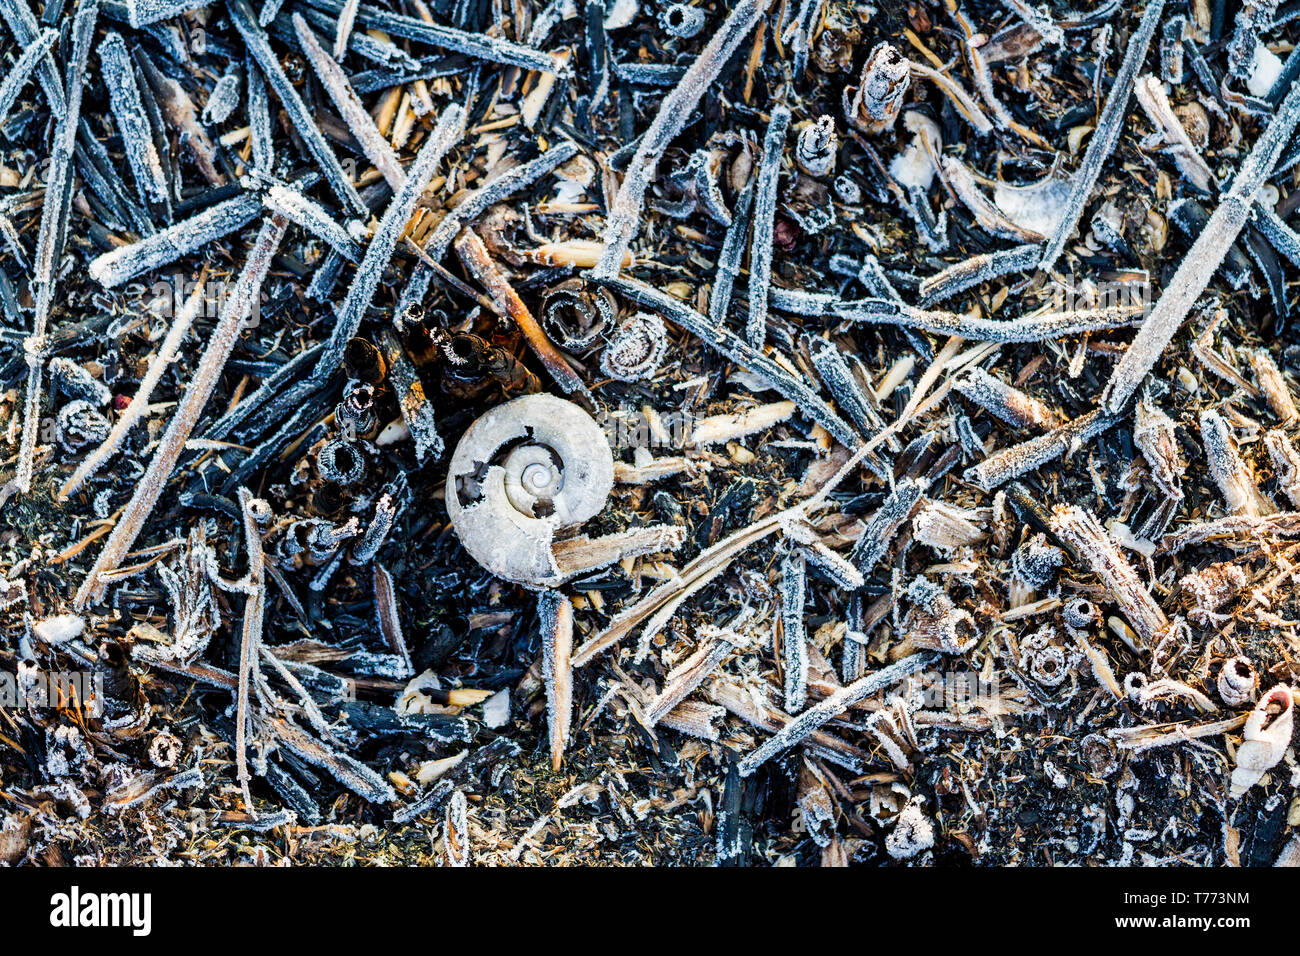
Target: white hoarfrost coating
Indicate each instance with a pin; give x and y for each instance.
(523, 471)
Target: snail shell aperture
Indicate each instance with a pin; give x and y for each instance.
(521, 472)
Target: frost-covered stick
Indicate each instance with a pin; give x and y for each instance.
(1273, 227)
(347, 17)
(838, 378)
(270, 10)
(52, 235)
(140, 401)
(260, 50)
(1284, 524)
(306, 213)
(259, 119)
(827, 709)
(1203, 259)
(794, 632)
(674, 113)
(733, 251)
(377, 149)
(879, 530)
(760, 249)
(22, 24)
(480, 266)
(1109, 125)
(251, 636)
(141, 13)
(555, 612)
(126, 262)
(271, 386)
(132, 124)
(1081, 531)
(1033, 328)
(1229, 471)
(1013, 462)
(976, 270)
(480, 46)
(416, 409)
(31, 56)
(237, 309)
(390, 624)
(739, 351)
(1006, 401)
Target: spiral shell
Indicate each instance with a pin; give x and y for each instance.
(636, 349)
(1237, 681)
(521, 472)
(1264, 740)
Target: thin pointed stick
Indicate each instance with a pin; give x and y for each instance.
(825, 710)
(238, 308)
(259, 48)
(251, 639)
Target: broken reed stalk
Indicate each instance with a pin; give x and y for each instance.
(1109, 125)
(674, 113)
(831, 707)
(555, 612)
(139, 405)
(1097, 549)
(259, 48)
(22, 24)
(478, 263)
(1203, 259)
(238, 308)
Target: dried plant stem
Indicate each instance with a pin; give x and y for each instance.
(309, 215)
(739, 351)
(1097, 549)
(1109, 125)
(133, 124)
(238, 308)
(251, 639)
(760, 250)
(1203, 259)
(152, 252)
(479, 264)
(260, 50)
(1032, 328)
(1015, 461)
(556, 613)
(674, 113)
(825, 710)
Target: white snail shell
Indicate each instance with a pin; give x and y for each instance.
(1262, 747)
(521, 472)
